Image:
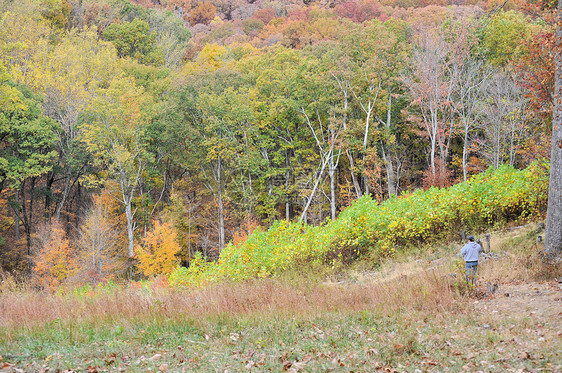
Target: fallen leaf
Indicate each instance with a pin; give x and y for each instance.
(155, 357)
(338, 362)
(163, 368)
(250, 365)
(297, 366)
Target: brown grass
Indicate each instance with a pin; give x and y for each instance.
(406, 286)
(427, 291)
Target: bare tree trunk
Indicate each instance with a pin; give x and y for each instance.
(68, 175)
(389, 167)
(221, 223)
(465, 154)
(344, 87)
(305, 210)
(130, 226)
(354, 179)
(553, 233)
(387, 159)
(332, 174)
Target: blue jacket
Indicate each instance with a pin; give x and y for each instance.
(471, 251)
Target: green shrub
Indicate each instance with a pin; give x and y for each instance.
(490, 199)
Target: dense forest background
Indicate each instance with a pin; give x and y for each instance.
(146, 132)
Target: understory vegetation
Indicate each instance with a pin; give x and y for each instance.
(425, 318)
(371, 231)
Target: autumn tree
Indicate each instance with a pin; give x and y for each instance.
(158, 253)
(502, 119)
(27, 138)
(99, 253)
(70, 73)
(202, 13)
(114, 132)
(54, 258)
(171, 36)
(431, 88)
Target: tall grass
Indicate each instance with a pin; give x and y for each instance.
(427, 291)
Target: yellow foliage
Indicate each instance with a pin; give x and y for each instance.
(158, 253)
(211, 58)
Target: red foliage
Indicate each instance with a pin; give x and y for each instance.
(536, 72)
(301, 14)
(360, 11)
(441, 178)
(265, 15)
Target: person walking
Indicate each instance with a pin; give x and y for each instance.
(471, 253)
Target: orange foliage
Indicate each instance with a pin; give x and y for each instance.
(158, 255)
(55, 259)
(202, 13)
(247, 227)
(303, 27)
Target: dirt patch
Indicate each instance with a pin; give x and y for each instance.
(540, 301)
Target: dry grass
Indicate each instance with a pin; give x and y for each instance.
(406, 286)
(427, 291)
(517, 258)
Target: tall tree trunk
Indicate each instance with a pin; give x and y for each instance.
(332, 174)
(553, 233)
(221, 223)
(387, 158)
(309, 201)
(130, 226)
(390, 172)
(66, 190)
(465, 153)
(220, 204)
(354, 179)
(17, 211)
(48, 195)
(344, 88)
(287, 176)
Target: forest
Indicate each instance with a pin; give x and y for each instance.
(146, 137)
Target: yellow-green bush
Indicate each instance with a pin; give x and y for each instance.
(492, 198)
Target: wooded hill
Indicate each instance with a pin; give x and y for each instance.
(158, 130)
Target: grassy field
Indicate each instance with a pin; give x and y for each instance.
(411, 315)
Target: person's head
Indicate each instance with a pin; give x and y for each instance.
(471, 238)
